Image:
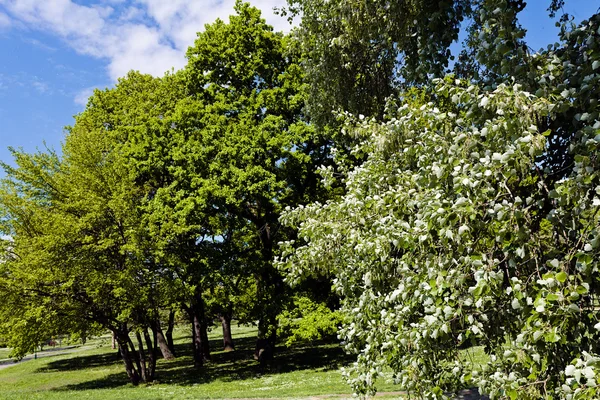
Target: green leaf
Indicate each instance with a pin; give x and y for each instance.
(561, 277)
(552, 337)
(581, 289)
(552, 297)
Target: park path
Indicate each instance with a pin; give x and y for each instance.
(45, 353)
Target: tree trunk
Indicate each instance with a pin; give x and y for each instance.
(132, 373)
(197, 339)
(169, 332)
(142, 357)
(269, 292)
(199, 334)
(205, 342)
(162, 342)
(152, 353)
(265, 341)
(227, 339)
(134, 355)
(114, 341)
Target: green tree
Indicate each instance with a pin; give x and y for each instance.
(242, 152)
(357, 53)
(140, 104)
(79, 255)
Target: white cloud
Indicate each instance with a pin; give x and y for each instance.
(146, 35)
(41, 87)
(4, 21)
(132, 14)
(39, 44)
(82, 97)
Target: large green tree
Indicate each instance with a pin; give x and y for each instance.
(243, 150)
(137, 118)
(356, 54)
(125, 115)
(78, 254)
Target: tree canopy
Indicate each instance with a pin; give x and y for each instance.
(349, 175)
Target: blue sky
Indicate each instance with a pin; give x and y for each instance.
(54, 52)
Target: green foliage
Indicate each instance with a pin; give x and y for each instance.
(242, 152)
(76, 253)
(233, 295)
(167, 194)
(307, 320)
(468, 214)
(356, 53)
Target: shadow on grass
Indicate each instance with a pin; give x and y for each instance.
(224, 366)
(81, 362)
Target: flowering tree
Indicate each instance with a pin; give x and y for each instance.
(474, 220)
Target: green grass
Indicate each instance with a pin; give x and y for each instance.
(4, 353)
(95, 371)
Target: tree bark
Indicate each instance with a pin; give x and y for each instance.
(205, 342)
(162, 342)
(142, 357)
(169, 332)
(152, 353)
(197, 339)
(199, 334)
(265, 341)
(227, 339)
(134, 355)
(132, 373)
(269, 291)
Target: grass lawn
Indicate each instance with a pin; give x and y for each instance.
(4, 352)
(95, 371)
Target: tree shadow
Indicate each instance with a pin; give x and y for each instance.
(81, 362)
(224, 366)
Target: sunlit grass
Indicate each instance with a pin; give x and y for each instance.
(95, 371)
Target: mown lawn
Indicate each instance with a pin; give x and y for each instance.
(4, 352)
(95, 371)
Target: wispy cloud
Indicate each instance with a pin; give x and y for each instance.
(146, 35)
(24, 83)
(20, 79)
(39, 44)
(4, 21)
(82, 97)
(41, 87)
